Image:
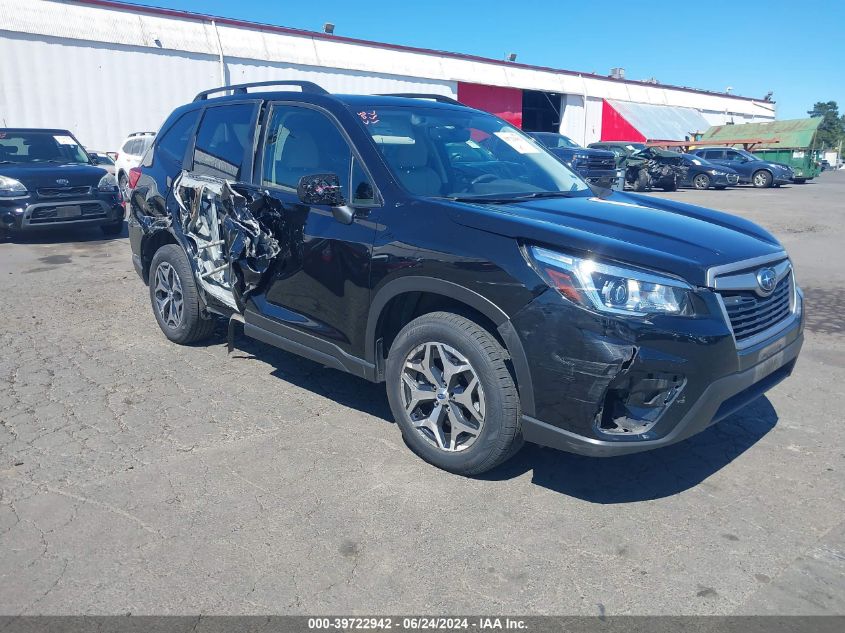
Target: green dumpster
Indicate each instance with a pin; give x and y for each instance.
(791, 142)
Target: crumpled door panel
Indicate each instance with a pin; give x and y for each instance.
(232, 234)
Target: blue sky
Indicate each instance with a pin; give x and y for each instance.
(795, 49)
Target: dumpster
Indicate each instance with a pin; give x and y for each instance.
(791, 142)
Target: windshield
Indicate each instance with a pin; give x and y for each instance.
(103, 159)
(555, 140)
(465, 154)
(40, 147)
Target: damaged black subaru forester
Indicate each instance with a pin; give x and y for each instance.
(436, 248)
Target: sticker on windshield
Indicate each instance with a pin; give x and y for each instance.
(520, 144)
(369, 117)
(64, 140)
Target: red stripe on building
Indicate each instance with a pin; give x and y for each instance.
(614, 127)
(503, 102)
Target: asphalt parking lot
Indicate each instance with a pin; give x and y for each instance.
(138, 476)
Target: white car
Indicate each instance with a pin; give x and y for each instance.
(130, 155)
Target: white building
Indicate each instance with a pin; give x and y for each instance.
(103, 69)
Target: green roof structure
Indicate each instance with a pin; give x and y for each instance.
(792, 133)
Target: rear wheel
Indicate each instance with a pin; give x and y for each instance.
(123, 185)
(174, 297)
(643, 181)
(452, 394)
(671, 185)
(701, 181)
(761, 179)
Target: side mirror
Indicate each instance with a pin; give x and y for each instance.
(325, 189)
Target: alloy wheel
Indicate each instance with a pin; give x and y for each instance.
(443, 397)
(168, 295)
(701, 181)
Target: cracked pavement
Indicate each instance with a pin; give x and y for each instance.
(138, 476)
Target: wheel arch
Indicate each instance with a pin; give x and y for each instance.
(403, 299)
(149, 246)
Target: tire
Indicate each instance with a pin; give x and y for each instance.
(643, 181)
(185, 326)
(491, 433)
(799, 181)
(761, 179)
(701, 181)
(123, 185)
(721, 187)
(112, 229)
(672, 186)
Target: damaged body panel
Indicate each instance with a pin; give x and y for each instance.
(231, 239)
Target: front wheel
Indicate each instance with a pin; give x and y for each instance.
(452, 394)
(701, 181)
(761, 179)
(174, 297)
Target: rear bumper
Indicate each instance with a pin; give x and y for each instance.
(24, 215)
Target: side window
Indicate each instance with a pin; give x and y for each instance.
(302, 142)
(223, 137)
(133, 147)
(713, 154)
(171, 145)
(735, 156)
(126, 145)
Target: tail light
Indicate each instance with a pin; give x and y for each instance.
(134, 175)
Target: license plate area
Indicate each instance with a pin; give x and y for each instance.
(69, 211)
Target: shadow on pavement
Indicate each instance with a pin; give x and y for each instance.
(642, 476)
(626, 479)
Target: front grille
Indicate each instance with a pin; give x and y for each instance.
(732, 178)
(46, 215)
(63, 192)
(751, 314)
(600, 163)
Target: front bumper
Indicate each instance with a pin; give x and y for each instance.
(578, 370)
(33, 213)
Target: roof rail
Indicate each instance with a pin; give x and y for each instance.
(240, 89)
(422, 95)
(140, 133)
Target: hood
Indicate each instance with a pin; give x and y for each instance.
(37, 175)
(653, 233)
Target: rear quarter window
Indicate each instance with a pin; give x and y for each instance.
(223, 137)
(172, 144)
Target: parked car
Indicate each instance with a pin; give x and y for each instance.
(129, 156)
(102, 159)
(596, 166)
(499, 302)
(750, 168)
(48, 180)
(702, 174)
(646, 167)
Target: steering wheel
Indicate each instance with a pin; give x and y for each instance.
(484, 178)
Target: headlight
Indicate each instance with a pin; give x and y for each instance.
(713, 172)
(611, 289)
(11, 188)
(107, 183)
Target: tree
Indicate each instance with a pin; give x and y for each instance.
(832, 128)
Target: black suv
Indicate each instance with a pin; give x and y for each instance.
(47, 179)
(596, 166)
(500, 299)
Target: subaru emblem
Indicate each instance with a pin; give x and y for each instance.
(766, 279)
(62, 182)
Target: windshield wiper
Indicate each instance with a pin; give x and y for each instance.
(504, 200)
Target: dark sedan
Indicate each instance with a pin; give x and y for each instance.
(702, 174)
(596, 166)
(751, 169)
